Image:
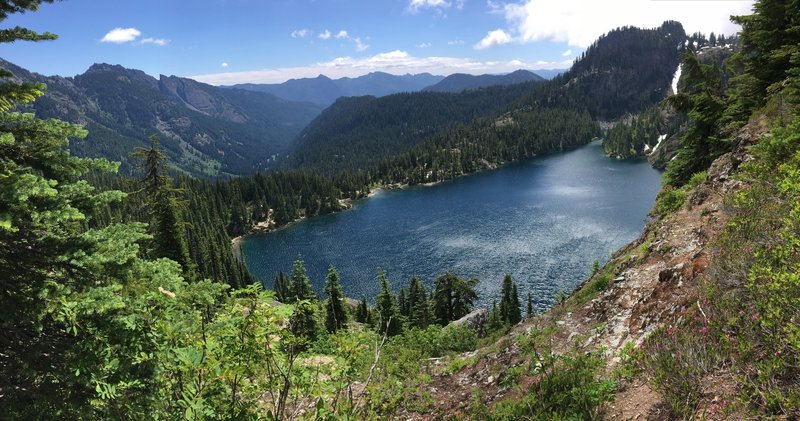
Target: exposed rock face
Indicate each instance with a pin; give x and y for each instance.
(660, 157)
(476, 319)
(197, 96)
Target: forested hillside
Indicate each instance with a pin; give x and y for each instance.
(206, 131)
(461, 81)
(625, 71)
(354, 132)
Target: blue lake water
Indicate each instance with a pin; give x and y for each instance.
(544, 221)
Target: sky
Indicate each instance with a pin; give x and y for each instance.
(224, 42)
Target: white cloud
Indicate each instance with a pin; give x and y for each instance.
(301, 33)
(496, 37)
(566, 53)
(121, 35)
(456, 42)
(224, 64)
(157, 41)
(326, 34)
(578, 22)
(342, 35)
(416, 5)
(424, 45)
(360, 46)
(395, 62)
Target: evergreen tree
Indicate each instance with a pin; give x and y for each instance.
(281, 287)
(335, 315)
(453, 298)
(168, 227)
(300, 287)
(419, 311)
(362, 312)
(389, 319)
(71, 297)
(509, 302)
(702, 98)
(770, 39)
(402, 303)
(495, 322)
(303, 321)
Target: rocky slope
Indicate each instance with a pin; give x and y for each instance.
(650, 282)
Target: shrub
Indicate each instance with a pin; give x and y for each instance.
(669, 199)
(676, 359)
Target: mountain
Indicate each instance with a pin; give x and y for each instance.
(323, 90)
(458, 82)
(359, 131)
(623, 72)
(207, 131)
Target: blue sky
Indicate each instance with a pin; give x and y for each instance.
(270, 41)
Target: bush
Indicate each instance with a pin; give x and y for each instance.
(676, 359)
(669, 199)
(566, 386)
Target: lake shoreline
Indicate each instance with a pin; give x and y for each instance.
(269, 225)
(544, 221)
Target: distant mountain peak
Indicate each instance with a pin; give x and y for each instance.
(458, 82)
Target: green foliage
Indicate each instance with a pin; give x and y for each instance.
(566, 386)
(770, 56)
(703, 99)
(676, 359)
(335, 314)
(669, 199)
(628, 137)
(363, 314)
(418, 306)
(388, 317)
(509, 309)
(453, 298)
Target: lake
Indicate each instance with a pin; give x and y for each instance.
(544, 221)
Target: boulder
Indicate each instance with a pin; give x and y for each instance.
(476, 320)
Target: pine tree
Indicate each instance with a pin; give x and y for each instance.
(389, 319)
(71, 293)
(362, 312)
(453, 298)
(495, 321)
(300, 287)
(509, 302)
(402, 303)
(281, 287)
(335, 315)
(169, 232)
(419, 312)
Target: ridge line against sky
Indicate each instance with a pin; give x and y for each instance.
(254, 41)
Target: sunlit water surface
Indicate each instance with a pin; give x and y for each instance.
(544, 221)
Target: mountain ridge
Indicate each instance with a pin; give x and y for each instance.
(323, 90)
(458, 82)
(206, 130)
